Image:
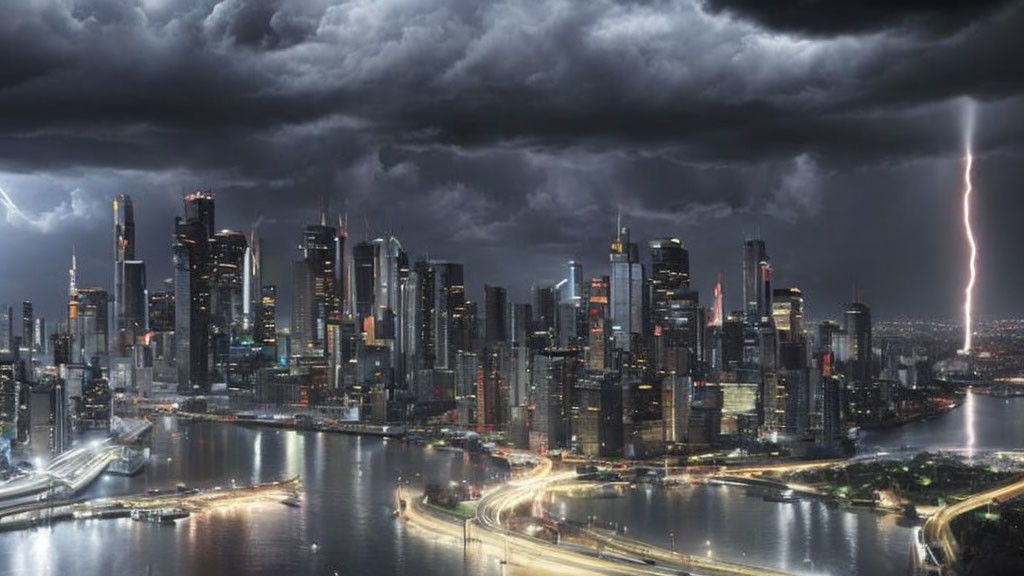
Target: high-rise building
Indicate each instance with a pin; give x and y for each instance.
(755, 258)
(495, 316)
(28, 325)
(6, 327)
(545, 308)
(192, 279)
(858, 328)
(676, 318)
(554, 375)
(124, 251)
(626, 306)
(597, 316)
(450, 313)
(228, 250)
(316, 293)
(574, 287)
(268, 318)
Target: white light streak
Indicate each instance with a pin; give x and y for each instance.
(969, 116)
(972, 277)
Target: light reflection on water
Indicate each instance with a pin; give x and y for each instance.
(349, 483)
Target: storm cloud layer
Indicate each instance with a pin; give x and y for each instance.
(509, 134)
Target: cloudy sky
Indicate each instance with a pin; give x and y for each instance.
(508, 134)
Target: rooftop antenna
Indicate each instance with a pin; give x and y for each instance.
(323, 209)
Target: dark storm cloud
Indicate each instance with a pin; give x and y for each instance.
(830, 17)
(509, 133)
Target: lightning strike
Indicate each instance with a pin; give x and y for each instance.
(968, 231)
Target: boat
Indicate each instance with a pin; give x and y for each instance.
(159, 515)
(784, 497)
(292, 501)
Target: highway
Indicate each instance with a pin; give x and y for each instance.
(71, 471)
(24, 515)
(937, 529)
(612, 554)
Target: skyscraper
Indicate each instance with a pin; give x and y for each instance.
(626, 291)
(495, 315)
(597, 315)
(192, 274)
(449, 309)
(28, 327)
(754, 257)
(858, 329)
(124, 251)
(320, 297)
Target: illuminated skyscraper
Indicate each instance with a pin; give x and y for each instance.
(626, 306)
(754, 257)
(192, 275)
(597, 315)
(858, 329)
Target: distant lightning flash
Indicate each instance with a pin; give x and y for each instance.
(968, 230)
(969, 233)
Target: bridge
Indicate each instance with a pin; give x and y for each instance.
(612, 554)
(938, 531)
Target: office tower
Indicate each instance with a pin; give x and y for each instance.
(132, 306)
(10, 393)
(268, 318)
(585, 414)
(554, 374)
(597, 326)
(161, 311)
(364, 259)
(676, 318)
(252, 285)
(520, 318)
(88, 326)
(316, 293)
(421, 318)
(449, 307)
(611, 434)
(858, 329)
(124, 252)
(754, 259)
(626, 307)
(27, 325)
(192, 275)
(495, 316)
(732, 341)
(718, 308)
(343, 271)
(466, 371)
(95, 408)
(492, 389)
(574, 286)
(39, 333)
(545, 308)
(228, 250)
(6, 327)
(788, 317)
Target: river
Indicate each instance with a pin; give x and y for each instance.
(349, 482)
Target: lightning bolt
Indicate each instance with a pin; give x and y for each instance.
(968, 126)
(973, 266)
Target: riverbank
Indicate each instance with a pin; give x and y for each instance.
(45, 513)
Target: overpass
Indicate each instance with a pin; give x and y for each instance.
(938, 530)
(612, 555)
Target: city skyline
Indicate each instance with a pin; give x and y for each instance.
(497, 287)
(864, 159)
